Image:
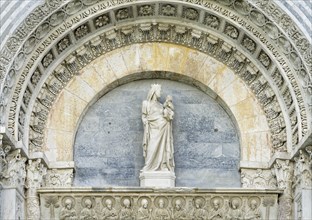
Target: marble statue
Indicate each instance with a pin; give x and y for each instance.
(144, 213)
(109, 212)
(68, 212)
(157, 141)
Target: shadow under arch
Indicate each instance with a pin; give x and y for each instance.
(106, 159)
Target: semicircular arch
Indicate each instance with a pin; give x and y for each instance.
(157, 60)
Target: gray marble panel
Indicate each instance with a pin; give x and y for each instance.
(108, 145)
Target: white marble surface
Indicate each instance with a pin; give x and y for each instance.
(160, 179)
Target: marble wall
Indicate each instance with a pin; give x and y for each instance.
(108, 145)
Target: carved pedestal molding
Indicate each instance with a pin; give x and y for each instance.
(147, 203)
(35, 173)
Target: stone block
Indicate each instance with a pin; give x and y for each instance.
(158, 179)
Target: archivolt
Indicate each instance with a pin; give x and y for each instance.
(77, 32)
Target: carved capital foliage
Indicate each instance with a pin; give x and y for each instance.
(35, 173)
(258, 178)
(12, 167)
(284, 174)
(59, 178)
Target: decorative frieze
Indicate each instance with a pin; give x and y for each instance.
(153, 204)
(258, 178)
(59, 178)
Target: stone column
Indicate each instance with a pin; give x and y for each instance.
(303, 184)
(35, 173)
(12, 179)
(284, 175)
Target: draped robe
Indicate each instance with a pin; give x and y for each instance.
(157, 143)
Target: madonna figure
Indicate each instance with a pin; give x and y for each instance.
(157, 141)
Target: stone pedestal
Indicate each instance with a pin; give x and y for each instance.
(161, 179)
(11, 204)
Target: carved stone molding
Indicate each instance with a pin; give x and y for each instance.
(258, 178)
(59, 178)
(218, 16)
(153, 204)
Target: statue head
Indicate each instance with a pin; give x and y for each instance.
(88, 203)
(144, 203)
(253, 204)
(198, 203)
(154, 92)
(216, 204)
(161, 203)
(127, 203)
(109, 203)
(235, 204)
(68, 204)
(178, 204)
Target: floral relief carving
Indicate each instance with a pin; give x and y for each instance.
(191, 14)
(63, 44)
(264, 59)
(249, 44)
(168, 10)
(212, 21)
(231, 31)
(81, 31)
(101, 21)
(146, 10)
(122, 14)
(47, 60)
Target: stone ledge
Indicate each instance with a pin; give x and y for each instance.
(180, 190)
